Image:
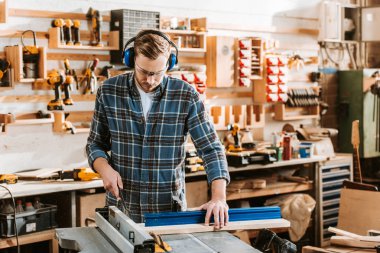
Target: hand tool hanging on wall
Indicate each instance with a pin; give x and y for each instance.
(59, 22)
(94, 20)
(30, 56)
(355, 140)
(375, 90)
(67, 31)
(75, 32)
(4, 67)
(67, 84)
(302, 97)
(90, 80)
(55, 79)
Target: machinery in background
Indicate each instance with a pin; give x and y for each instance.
(242, 151)
(94, 20)
(268, 241)
(55, 79)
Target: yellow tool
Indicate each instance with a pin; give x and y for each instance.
(4, 66)
(90, 79)
(67, 84)
(67, 31)
(30, 57)
(235, 132)
(8, 178)
(160, 245)
(59, 22)
(94, 26)
(55, 79)
(79, 174)
(75, 32)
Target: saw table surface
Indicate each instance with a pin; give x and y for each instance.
(92, 240)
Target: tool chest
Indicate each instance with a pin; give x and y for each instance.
(28, 221)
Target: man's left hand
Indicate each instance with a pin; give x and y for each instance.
(217, 208)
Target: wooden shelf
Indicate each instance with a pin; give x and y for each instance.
(47, 235)
(192, 50)
(271, 189)
(283, 112)
(185, 32)
(15, 57)
(51, 14)
(42, 98)
(55, 41)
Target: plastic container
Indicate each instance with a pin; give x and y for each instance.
(28, 221)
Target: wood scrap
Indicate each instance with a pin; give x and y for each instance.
(350, 242)
(354, 236)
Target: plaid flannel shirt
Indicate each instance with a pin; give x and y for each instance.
(150, 154)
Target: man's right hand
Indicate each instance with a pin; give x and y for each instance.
(111, 178)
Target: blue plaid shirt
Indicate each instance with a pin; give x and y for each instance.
(150, 154)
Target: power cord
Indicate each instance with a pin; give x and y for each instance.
(14, 216)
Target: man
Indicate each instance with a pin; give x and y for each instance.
(143, 119)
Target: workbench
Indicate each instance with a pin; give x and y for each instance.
(32, 188)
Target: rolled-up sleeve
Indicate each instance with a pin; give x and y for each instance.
(98, 141)
(206, 141)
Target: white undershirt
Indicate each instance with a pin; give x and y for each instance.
(146, 100)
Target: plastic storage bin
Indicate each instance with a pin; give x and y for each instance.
(28, 221)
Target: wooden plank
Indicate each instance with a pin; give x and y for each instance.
(196, 193)
(237, 225)
(220, 61)
(80, 116)
(263, 29)
(364, 206)
(77, 57)
(50, 14)
(84, 35)
(271, 189)
(42, 98)
(196, 60)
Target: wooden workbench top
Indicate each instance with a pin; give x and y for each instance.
(29, 188)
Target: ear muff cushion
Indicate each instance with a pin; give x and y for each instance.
(129, 57)
(172, 61)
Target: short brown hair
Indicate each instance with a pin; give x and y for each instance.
(151, 45)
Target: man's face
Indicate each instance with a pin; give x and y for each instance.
(149, 73)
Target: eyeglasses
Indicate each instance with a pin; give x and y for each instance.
(149, 73)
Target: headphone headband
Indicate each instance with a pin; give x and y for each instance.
(156, 32)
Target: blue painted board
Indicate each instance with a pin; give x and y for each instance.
(195, 217)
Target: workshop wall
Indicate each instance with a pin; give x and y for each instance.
(293, 23)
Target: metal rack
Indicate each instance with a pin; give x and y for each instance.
(330, 177)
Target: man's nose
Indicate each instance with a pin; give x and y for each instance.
(150, 79)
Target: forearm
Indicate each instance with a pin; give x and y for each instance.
(218, 189)
(101, 165)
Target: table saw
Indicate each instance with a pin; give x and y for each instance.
(116, 232)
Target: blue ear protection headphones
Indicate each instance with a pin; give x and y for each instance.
(129, 54)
